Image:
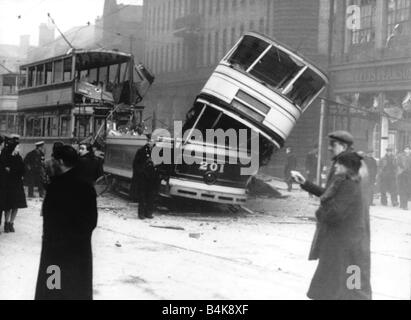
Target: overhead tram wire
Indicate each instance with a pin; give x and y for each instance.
(77, 30)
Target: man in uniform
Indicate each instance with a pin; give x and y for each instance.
(388, 178)
(404, 177)
(144, 181)
(34, 162)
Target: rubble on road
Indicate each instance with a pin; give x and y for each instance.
(259, 188)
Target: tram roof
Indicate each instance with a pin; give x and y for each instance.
(92, 58)
(288, 49)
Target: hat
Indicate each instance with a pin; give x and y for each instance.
(11, 145)
(342, 136)
(38, 144)
(351, 160)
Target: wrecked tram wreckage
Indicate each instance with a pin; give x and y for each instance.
(245, 112)
(73, 97)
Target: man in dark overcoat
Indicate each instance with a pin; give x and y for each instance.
(35, 170)
(388, 177)
(341, 142)
(69, 218)
(144, 181)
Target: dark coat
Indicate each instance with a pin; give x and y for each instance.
(388, 175)
(318, 191)
(34, 162)
(15, 197)
(89, 168)
(69, 218)
(343, 245)
(3, 184)
(144, 172)
(372, 168)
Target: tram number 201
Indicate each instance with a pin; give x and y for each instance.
(215, 167)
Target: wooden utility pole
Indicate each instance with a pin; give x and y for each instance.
(320, 141)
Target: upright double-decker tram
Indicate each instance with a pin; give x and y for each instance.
(68, 97)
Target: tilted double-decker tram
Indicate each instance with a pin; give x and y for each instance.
(68, 98)
(260, 86)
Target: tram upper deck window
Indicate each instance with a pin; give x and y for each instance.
(58, 71)
(67, 69)
(305, 88)
(48, 73)
(31, 77)
(40, 75)
(276, 68)
(248, 51)
(22, 78)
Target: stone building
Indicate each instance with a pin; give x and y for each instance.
(371, 70)
(185, 40)
(122, 28)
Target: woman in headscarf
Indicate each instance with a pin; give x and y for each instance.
(15, 197)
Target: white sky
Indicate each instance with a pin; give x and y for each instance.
(66, 14)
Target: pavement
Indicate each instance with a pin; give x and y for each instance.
(258, 252)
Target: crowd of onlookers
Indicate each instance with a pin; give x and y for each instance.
(391, 175)
(35, 171)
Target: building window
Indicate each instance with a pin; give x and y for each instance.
(64, 126)
(234, 4)
(398, 14)
(217, 47)
(366, 33)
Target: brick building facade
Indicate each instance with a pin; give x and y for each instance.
(371, 70)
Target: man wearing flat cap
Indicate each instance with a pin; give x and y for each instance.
(340, 143)
(34, 162)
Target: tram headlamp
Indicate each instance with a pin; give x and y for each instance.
(210, 178)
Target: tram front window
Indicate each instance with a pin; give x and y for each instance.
(276, 68)
(247, 52)
(305, 88)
